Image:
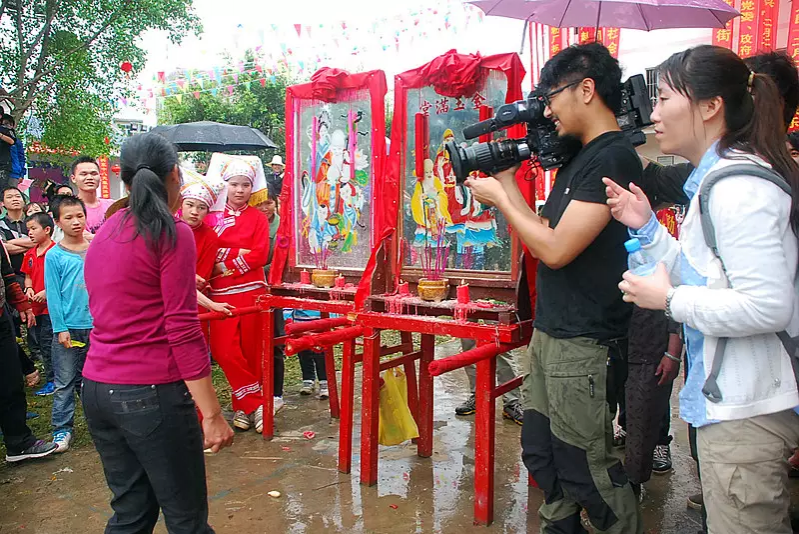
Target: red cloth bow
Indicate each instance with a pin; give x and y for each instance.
(453, 74)
(326, 81)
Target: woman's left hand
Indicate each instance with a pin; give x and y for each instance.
(647, 292)
(488, 191)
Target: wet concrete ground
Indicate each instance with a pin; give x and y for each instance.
(68, 494)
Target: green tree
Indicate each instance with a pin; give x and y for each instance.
(258, 100)
(61, 60)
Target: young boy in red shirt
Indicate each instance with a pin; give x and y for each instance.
(40, 230)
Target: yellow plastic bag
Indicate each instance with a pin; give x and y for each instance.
(396, 422)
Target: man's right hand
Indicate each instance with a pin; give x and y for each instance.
(65, 340)
(217, 433)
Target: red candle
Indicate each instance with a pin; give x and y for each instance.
(305, 277)
(403, 288)
(463, 293)
(340, 282)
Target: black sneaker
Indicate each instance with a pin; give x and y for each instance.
(39, 449)
(467, 408)
(513, 411)
(661, 460)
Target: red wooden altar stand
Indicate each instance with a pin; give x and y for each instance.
(326, 301)
(425, 318)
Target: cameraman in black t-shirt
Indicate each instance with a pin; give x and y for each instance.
(581, 321)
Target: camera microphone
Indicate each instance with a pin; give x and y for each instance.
(481, 128)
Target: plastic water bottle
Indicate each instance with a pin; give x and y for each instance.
(639, 262)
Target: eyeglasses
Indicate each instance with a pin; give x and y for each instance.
(547, 98)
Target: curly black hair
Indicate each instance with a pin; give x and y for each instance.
(577, 62)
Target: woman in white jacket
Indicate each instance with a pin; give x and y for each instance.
(714, 112)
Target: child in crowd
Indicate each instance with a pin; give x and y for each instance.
(33, 207)
(40, 229)
(312, 363)
(199, 195)
(68, 304)
(269, 208)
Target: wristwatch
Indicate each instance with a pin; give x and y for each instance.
(669, 296)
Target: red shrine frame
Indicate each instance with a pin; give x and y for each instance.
(329, 86)
(457, 76)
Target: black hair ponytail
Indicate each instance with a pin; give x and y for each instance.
(146, 160)
(753, 109)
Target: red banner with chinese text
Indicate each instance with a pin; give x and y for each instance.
(668, 218)
(610, 37)
(586, 35)
(555, 41)
(723, 36)
(105, 183)
(793, 48)
(767, 24)
(747, 38)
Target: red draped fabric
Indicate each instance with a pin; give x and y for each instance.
(328, 85)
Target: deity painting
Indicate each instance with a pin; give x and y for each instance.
(473, 236)
(334, 186)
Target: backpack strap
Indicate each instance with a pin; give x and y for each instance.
(711, 388)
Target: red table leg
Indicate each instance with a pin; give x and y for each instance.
(425, 419)
(370, 405)
(330, 366)
(484, 442)
(268, 373)
(347, 403)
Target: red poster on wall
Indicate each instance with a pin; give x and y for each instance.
(105, 183)
(747, 40)
(767, 24)
(723, 36)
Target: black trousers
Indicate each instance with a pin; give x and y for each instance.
(151, 446)
(13, 406)
(312, 364)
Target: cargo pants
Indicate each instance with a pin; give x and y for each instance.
(567, 438)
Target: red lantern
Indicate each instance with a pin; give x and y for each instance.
(115, 169)
(126, 67)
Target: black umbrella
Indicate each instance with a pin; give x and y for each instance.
(207, 136)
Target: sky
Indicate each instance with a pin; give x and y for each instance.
(357, 35)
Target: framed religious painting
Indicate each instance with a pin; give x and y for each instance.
(443, 231)
(336, 149)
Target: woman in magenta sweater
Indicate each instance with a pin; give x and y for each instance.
(148, 363)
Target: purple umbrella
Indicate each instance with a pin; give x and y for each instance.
(632, 14)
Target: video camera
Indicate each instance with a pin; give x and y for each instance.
(542, 141)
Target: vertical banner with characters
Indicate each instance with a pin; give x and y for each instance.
(723, 36)
(442, 223)
(747, 38)
(586, 35)
(610, 37)
(793, 48)
(335, 142)
(767, 24)
(105, 184)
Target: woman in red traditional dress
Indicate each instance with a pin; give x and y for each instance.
(244, 247)
(199, 194)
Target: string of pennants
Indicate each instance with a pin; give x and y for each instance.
(301, 49)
